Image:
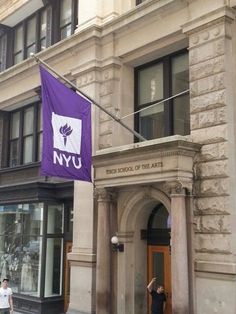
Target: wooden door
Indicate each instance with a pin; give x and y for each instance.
(68, 249)
(159, 266)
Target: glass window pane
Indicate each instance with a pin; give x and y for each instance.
(161, 219)
(14, 153)
(182, 115)
(31, 31)
(158, 267)
(20, 254)
(66, 32)
(31, 49)
(28, 149)
(32, 218)
(150, 84)
(40, 145)
(18, 57)
(15, 125)
(180, 73)
(43, 24)
(180, 82)
(55, 219)
(66, 12)
(53, 273)
(151, 122)
(43, 44)
(40, 121)
(18, 39)
(28, 121)
(30, 266)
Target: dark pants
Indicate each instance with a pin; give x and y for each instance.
(4, 311)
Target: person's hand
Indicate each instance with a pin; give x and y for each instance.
(154, 279)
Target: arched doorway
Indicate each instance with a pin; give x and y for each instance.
(159, 251)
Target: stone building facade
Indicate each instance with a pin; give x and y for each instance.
(170, 200)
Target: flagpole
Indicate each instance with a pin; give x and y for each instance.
(139, 136)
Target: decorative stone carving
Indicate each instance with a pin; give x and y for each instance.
(178, 187)
(105, 195)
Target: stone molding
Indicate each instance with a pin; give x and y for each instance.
(214, 18)
(125, 236)
(215, 267)
(179, 187)
(105, 194)
(82, 257)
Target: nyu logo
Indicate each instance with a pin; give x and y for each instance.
(67, 133)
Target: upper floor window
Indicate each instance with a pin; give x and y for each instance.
(31, 35)
(25, 135)
(47, 26)
(3, 49)
(155, 82)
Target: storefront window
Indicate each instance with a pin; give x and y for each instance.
(21, 228)
(55, 218)
(53, 273)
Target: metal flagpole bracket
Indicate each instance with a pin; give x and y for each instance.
(136, 134)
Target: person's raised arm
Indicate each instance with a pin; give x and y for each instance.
(150, 285)
(11, 303)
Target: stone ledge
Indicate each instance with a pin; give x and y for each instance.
(81, 257)
(215, 267)
(203, 21)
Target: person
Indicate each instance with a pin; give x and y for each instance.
(6, 303)
(158, 298)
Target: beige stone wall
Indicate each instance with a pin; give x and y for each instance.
(101, 62)
(9, 6)
(211, 55)
(210, 110)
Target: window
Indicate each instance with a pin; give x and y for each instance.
(47, 26)
(25, 135)
(21, 228)
(155, 82)
(31, 247)
(31, 36)
(54, 250)
(3, 50)
(18, 44)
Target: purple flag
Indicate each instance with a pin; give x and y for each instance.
(67, 149)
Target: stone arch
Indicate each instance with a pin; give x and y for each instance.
(132, 264)
(141, 202)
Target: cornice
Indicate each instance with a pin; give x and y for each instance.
(215, 17)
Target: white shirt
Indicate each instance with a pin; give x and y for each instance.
(4, 298)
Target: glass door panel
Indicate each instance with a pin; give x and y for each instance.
(159, 266)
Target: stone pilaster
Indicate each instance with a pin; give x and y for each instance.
(109, 97)
(83, 258)
(179, 251)
(103, 275)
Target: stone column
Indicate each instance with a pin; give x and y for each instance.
(83, 258)
(103, 276)
(179, 252)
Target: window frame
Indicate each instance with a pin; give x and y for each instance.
(21, 137)
(5, 46)
(37, 15)
(167, 89)
(53, 31)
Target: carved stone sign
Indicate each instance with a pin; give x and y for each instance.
(134, 167)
